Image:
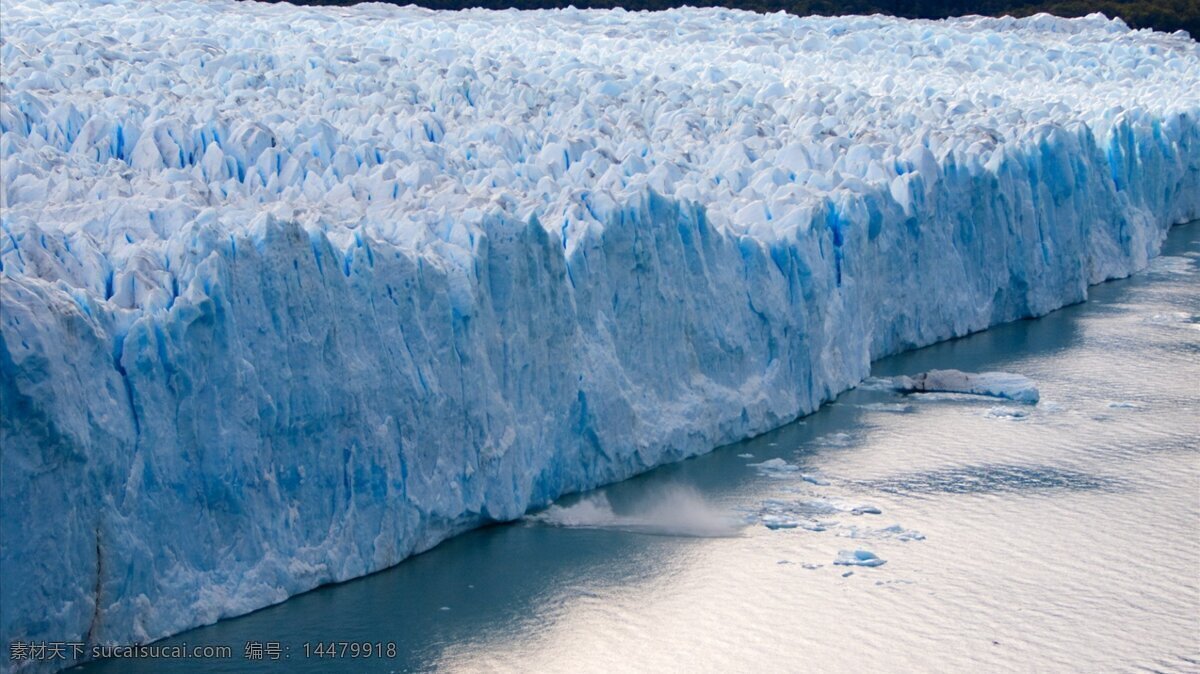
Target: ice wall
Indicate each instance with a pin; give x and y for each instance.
(290, 294)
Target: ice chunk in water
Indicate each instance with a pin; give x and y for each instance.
(998, 384)
(858, 558)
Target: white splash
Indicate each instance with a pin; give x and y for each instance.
(674, 511)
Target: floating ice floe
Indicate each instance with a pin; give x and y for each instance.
(858, 558)
(1010, 413)
(805, 507)
(1180, 319)
(893, 408)
(876, 384)
(802, 514)
(1124, 405)
(779, 522)
(893, 532)
(997, 384)
(835, 440)
(774, 467)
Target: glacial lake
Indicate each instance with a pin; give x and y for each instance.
(1058, 537)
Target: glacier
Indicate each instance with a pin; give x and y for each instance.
(290, 294)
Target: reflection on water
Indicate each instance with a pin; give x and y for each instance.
(1055, 537)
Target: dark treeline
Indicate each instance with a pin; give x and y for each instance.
(1164, 15)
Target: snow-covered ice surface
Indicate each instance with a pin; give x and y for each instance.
(291, 294)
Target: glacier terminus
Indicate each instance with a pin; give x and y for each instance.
(291, 294)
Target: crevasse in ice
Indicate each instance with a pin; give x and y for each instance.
(291, 294)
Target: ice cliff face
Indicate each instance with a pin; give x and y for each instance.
(291, 294)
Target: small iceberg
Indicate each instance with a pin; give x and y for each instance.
(875, 384)
(1124, 405)
(1010, 413)
(996, 384)
(866, 510)
(858, 558)
(774, 466)
(779, 522)
(891, 408)
(835, 440)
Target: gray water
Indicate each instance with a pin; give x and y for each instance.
(1056, 537)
